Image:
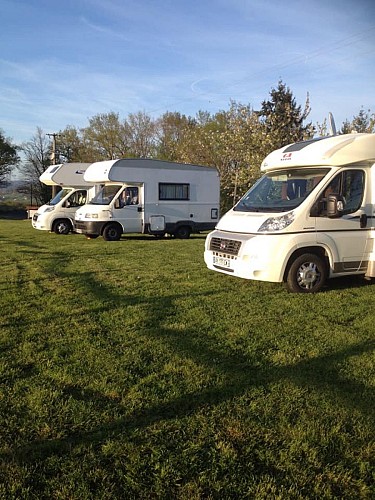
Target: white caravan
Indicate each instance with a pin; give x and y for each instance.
(58, 214)
(149, 196)
(310, 217)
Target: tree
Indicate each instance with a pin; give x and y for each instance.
(141, 135)
(37, 158)
(8, 157)
(233, 142)
(363, 122)
(71, 147)
(105, 138)
(283, 119)
(171, 131)
(242, 145)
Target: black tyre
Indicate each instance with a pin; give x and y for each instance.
(307, 274)
(182, 232)
(62, 226)
(112, 232)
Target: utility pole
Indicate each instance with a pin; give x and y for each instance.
(53, 156)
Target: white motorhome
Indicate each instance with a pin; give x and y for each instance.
(310, 217)
(58, 214)
(149, 196)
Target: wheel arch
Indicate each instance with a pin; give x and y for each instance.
(316, 250)
(112, 223)
(189, 224)
(56, 220)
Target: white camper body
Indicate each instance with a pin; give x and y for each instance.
(310, 217)
(58, 214)
(149, 196)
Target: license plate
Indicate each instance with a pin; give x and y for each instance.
(221, 261)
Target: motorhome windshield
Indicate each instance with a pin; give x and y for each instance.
(105, 195)
(60, 196)
(281, 190)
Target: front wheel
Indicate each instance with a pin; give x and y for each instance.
(62, 226)
(112, 232)
(307, 274)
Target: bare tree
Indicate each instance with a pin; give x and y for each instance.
(37, 153)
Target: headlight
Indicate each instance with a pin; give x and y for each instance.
(49, 209)
(277, 223)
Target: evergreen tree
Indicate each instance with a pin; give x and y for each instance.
(8, 157)
(363, 122)
(283, 119)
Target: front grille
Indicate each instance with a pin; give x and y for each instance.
(222, 245)
(35, 217)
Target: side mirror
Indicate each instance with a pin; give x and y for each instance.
(335, 206)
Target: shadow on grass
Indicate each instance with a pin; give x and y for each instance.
(345, 282)
(239, 373)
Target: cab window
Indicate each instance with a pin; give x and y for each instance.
(348, 184)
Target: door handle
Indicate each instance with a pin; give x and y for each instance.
(363, 221)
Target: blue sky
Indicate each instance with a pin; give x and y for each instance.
(64, 62)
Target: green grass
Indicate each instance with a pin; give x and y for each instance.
(128, 370)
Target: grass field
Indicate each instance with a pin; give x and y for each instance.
(128, 370)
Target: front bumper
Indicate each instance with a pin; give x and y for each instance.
(88, 227)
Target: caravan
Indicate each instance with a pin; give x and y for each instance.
(58, 214)
(310, 217)
(149, 196)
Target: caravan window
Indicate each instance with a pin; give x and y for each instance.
(169, 191)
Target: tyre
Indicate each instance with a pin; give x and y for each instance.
(112, 232)
(182, 232)
(307, 274)
(62, 226)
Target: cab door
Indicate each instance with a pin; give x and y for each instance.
(348, 234)
(128, 209)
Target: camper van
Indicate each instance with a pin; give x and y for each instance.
(58, 214)
(310, 217)
(149, 196)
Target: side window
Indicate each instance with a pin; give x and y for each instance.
(348, 184)
(81, 198)
(77, 199)
(169, 191)
(352, 190)
(129, 196)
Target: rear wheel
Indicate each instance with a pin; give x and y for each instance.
(182, 232)
(307, 274)
(112, 232)
(62, 226)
